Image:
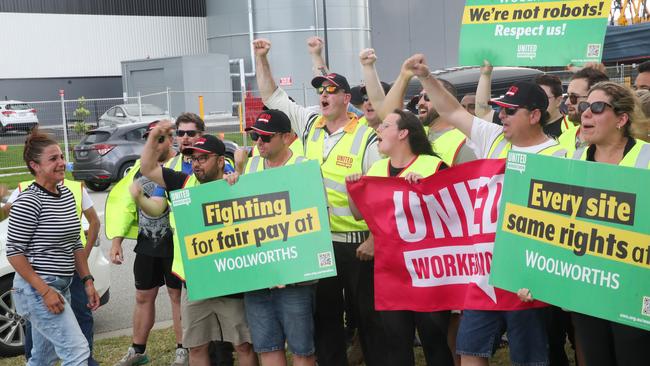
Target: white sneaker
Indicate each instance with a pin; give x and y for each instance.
(133, 359)
(182, 357)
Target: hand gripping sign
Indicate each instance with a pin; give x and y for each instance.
(434, 239)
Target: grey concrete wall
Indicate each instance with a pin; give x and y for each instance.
(48, 89)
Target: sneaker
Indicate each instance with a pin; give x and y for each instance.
(182, 357)
(132, 358)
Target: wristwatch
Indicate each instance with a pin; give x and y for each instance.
(86, 278)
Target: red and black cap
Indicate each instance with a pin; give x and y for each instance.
(523, 94)
(334, 78)
(207, 144)
(150, 127)
(271, 121)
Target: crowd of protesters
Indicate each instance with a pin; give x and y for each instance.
(373, 130)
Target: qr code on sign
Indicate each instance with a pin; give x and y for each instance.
(593, 50)
(325, 259)
(646, 306)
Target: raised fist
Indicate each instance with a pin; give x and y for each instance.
(367, 57)
(315, 45)
(417, 65)
(262, 46)
(486, 68)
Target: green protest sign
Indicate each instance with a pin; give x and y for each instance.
(533, 32)
(270, 228)
(577, 235)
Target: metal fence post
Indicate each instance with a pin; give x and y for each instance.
(65, 127)
(304, 94)
(242, 84)
(169, 110)
(139, 107)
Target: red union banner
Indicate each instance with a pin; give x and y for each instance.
(434, 239)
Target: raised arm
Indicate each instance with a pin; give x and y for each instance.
(395, 97)
(484, 92)
(445, 104)
(367, 57)
(149, 166)
(315, 48)
(264, 77)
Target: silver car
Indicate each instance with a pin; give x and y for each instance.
(131, 113)
(17, 116)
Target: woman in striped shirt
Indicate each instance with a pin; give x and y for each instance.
(44, 247)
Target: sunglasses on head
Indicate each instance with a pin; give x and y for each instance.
(573, 98)
(190, 133)
(330, 89)
(258, 136)
(596, 107)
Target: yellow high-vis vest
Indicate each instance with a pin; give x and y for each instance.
(501, 146)
(637, 157)
(425, 165)
(345, 158)
(448, 145)
(177, 263)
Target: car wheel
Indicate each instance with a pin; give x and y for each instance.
(125, 169)
(12, 336)
(97, 187)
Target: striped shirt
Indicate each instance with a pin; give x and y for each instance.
(44, 227)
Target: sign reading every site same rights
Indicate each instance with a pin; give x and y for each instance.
(533, 32)
(268, 229)
(577, 235)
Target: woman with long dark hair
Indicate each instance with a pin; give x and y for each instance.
(44, 247)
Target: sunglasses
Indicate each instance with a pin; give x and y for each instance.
(201, 159)
(257, 136)
(425, 96)
(510, 111)
(190, 133)
(330, 89)
(365, 98)
(596, 107)
(573, 98)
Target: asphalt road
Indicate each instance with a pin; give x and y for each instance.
(118, 312)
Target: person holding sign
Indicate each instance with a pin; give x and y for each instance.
(215, 319)
(410, 156)
(523, 111)
(613, 127)
(283, 313)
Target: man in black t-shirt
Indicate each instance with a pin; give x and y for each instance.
(202, 320)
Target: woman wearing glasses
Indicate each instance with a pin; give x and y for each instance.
(613, 126)
(410, 156)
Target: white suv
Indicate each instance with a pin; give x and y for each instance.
(17, 116)
(11, 330)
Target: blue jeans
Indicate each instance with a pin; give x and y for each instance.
(282, 313)
(84, 316)
(54, 336)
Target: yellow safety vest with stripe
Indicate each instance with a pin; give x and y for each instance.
(501, 146)
(566, 124)
(448, 145)
(120, 207)
(425, 165)
(345, 158)
(76, 189)
(637, 157)
(256, 163)
(296, 147)
(177, 262)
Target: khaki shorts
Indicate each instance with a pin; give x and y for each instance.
(215, 319)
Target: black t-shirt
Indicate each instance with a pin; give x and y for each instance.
(394, 172)
(554, 128)
(154, 233)
(591, 150)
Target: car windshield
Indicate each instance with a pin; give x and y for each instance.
(147, 110)
(94, 137)
(18, 107)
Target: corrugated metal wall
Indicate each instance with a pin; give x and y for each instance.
(184, 8)
(65, 45)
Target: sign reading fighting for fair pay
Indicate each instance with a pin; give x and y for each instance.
(576, 234)
(268, 229)
(533, 32)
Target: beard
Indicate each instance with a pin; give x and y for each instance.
(431, 115)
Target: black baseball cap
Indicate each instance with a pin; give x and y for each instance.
(208, 144)
(334, 78)
(384, 85)
(271, 121)
(523, 94)
(357, 98)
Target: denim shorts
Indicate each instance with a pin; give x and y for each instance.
(54, 336)
(281, 314)
(480, 332)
